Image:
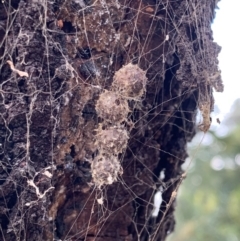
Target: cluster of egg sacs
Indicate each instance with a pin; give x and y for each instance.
(129, 83)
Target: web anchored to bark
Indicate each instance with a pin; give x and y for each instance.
(98, 99)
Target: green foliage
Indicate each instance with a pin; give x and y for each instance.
(208, 205)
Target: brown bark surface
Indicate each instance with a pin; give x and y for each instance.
(68, 52)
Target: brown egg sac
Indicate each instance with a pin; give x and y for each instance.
(130, 82)
(112, 107)
(105, 169)
(112, 139)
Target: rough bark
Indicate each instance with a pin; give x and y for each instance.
(69, 52)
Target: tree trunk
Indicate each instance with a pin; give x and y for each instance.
(58, 58)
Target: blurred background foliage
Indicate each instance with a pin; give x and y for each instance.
(208, 204)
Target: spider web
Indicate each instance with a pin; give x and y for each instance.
(57, 58)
